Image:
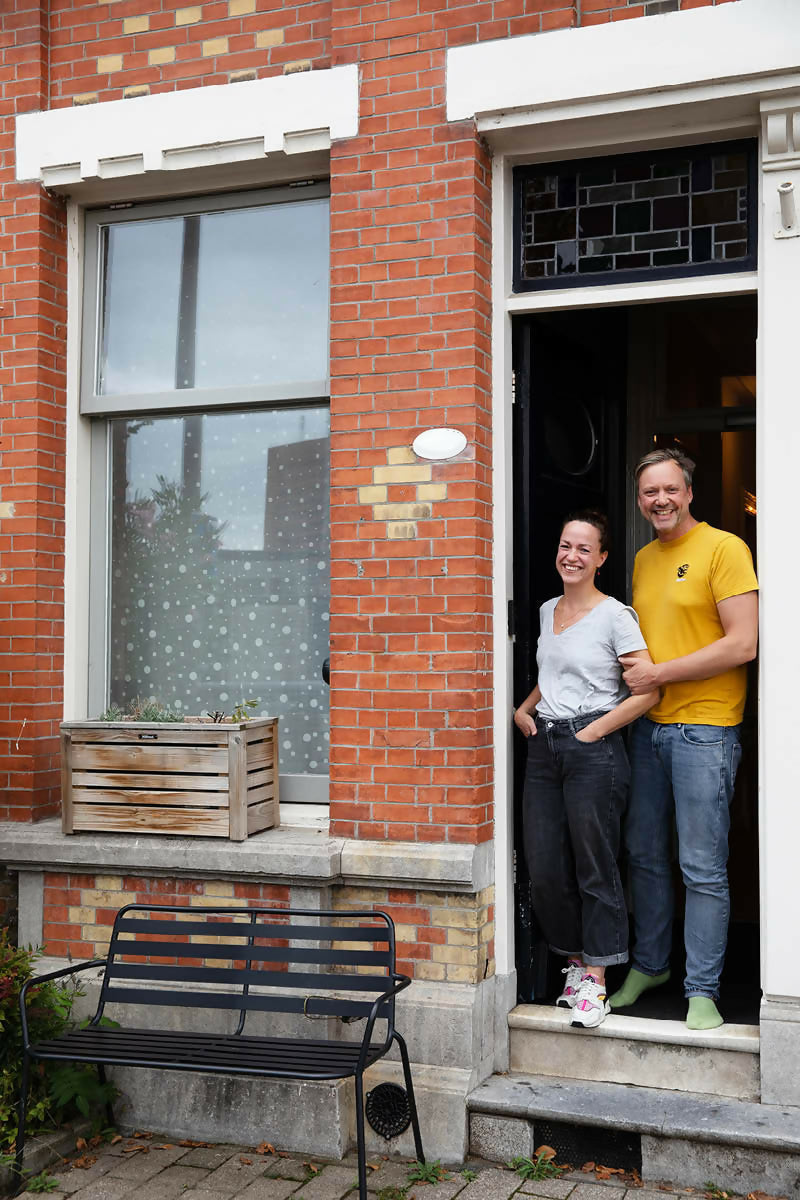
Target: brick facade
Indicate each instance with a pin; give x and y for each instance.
(441, 936)
(411, 735)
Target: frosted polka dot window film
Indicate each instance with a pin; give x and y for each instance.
(219, 568)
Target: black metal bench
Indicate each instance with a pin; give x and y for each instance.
(270, 960)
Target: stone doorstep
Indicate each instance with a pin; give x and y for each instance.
(654, 1112)
(685, 1138)
(738, 1038)
(633, 1050)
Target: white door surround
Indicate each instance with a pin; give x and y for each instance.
(682, 78)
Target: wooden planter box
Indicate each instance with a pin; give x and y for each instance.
(196, 779)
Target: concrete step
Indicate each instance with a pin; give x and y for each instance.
(636, 1050)
(684, 1137)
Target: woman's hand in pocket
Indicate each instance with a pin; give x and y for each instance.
(525, 723)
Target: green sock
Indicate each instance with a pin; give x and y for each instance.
(635, 983)
(703, 1013)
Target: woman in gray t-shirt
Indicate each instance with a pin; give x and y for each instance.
(576, 779)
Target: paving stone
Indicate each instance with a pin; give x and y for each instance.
(233, 1176)
(204, 1194)
(597, 1191)
(490, 1185)
(331, 1184)
(286, 1168)
(107, 1188)
(208, 1156)
(175, 1181)
(445, 1190)
(72, 1179)
(555, 1189)
(269, 1189)
(389, 1174)
(144, 1164)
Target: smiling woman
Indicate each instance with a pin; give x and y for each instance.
(577, 773)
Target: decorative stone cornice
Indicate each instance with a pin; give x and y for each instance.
(780, 143)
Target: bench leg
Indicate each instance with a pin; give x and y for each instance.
(412, 1104)
(362, 1153)
(101, 1075)
(22, 1112)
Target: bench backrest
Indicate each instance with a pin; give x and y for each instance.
(251, 959)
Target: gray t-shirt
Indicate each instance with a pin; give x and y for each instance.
(579, 669)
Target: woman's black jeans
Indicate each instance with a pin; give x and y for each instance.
(574, 799)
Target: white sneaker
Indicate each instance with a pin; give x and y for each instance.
(574, 974)
(591, 1006)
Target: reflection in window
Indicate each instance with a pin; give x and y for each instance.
(219, 567)
(218, 299)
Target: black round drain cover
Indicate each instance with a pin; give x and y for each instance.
(387, 1110)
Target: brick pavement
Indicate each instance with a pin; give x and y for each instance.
(148, 1168)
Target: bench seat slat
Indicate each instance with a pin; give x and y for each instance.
(317, 1006)
(259, 929)
(241, 975)
(218, 1053)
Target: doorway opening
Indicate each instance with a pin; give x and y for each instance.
(594, 390)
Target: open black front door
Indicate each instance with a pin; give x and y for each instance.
(570, 383)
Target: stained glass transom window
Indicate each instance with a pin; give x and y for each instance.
(661, 213)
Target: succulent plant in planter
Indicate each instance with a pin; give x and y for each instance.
(153, 770)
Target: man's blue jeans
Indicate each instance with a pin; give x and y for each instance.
(688, 771)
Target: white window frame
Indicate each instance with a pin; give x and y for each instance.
(95, 433)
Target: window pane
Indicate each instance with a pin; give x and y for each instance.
(220, 299)
(219, 568)
(141, 280)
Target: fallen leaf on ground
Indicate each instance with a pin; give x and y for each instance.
(190, 1142)
(248, 1162)
(81, 1143)
(136, 1148)
(164, 1146)
(265, 1148)
(587, 1167)
(142, 1134)
(116, 1138)
(84, 1162)
(545, 1152)
(312, 1168)
(763, 1196)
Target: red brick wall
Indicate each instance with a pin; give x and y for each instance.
(411, 751)
(129, 47)
(595, 12)
(32, 353)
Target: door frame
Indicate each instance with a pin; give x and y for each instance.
(505, 306)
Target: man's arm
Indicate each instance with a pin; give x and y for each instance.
(739, 617)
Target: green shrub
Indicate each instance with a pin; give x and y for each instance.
(57, 1091)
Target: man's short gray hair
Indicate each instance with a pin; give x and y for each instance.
(668, 454)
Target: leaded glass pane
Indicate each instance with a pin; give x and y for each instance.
(213, 300)
(639, 215)
(220, 568)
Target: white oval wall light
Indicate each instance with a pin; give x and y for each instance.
(439, 443)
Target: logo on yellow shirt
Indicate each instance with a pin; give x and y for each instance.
(683, 570)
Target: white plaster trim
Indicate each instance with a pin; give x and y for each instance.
(198, 127)
(502, 575)
(692, 48)
(77, 491)
(652, 291)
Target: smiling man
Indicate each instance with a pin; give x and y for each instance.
(695, 592)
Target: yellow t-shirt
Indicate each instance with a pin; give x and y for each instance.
(676, 588)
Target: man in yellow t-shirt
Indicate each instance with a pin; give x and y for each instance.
(695, 592)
